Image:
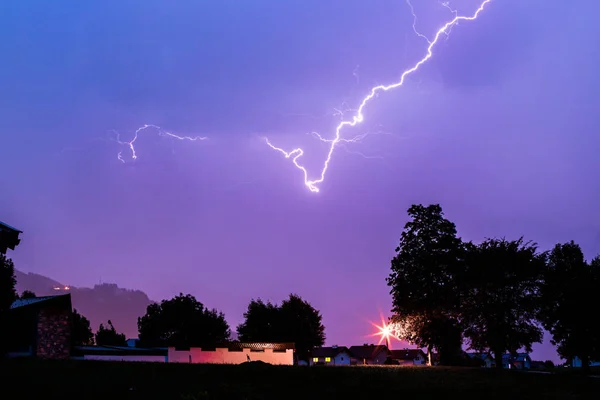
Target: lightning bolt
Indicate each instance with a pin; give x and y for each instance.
(161, 132)
(296, 154)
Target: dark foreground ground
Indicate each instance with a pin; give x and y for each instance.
(34, 379)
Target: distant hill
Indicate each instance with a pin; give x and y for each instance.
(98, 304)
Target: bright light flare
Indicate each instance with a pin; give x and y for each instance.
(296, 154)
(385, 331)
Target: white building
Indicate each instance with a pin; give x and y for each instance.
(576, 363)
(334, 355)
(408, 357)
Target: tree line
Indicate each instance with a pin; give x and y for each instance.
(184, 322)
(496, 296)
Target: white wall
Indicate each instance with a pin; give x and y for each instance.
(342, 359)
(224, 356)
(126, 358)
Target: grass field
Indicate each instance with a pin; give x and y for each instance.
(29, 379)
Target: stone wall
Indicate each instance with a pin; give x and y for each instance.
(53, 333)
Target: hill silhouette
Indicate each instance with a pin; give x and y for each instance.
(98, 304)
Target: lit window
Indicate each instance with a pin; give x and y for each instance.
(327, 359)
(316, 359)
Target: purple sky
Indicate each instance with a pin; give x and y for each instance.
(501, 128)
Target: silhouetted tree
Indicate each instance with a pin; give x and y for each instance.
(108, 336)
(81, 333)
(7, 283)
(27, 294)
(500, 307)
(570, 291)
(424, 282)
(182, 322)
(295, 321)
(261, 323)
(301, 324)
(7, 296)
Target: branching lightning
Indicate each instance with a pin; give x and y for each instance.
(296, 154)
(161, 132)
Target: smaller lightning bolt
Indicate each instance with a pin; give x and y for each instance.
(355, 74)
(356, 139)
(414, 25)
(161, 132)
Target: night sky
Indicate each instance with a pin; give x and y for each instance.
(501, 128)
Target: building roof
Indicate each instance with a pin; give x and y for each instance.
(7, 227)
(233, 346)
(368, 351)
(119, 351)
(406, 354)
(9, 237)
(63, 299)
(329, 351)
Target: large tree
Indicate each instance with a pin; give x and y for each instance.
(81, 331)
(302, 325)
(7, 296)
(261, 323)
(295, 321)
(424, 282)
(570, 290)
(8, 293)
(108, 336)
(501, 304)
(182, 322)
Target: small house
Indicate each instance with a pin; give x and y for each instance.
(334, 355)
(518, 361)
(408, 357)
(369, 354)
(577, 363)
(41, 327)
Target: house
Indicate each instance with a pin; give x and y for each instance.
(334, 355)
(235, 353)
(518, 361)
(41, 327)
(120, 353)
(484, 359)
(576, 363)
(408, 357)
(522, 361)
(369, 354)
(9, 237)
